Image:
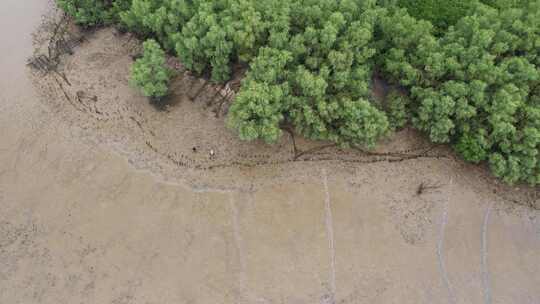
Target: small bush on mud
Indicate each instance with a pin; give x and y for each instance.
(149, 73)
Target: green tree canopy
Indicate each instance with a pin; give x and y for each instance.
(465, 73)
(149, 73)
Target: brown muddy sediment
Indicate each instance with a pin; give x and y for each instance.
(80, 224)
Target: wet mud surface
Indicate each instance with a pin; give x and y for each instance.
(104, 200)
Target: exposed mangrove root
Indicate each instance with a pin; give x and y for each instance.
(299, 154)
(61, 42)
(426, 187)
(66, 95)
(199, 91)
(293, 141)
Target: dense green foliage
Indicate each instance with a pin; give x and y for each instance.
(316, 77)
(92, 13)
(85, 12)
(149, 73)
(505, 4)
(467, 73)
(476, 87)
(442, 13)
(398, 109)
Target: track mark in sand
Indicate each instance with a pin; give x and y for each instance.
(330, 232)
(440, 249)
(242, 279)
(485, 272)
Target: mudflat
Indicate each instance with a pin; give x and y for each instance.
(103, 199)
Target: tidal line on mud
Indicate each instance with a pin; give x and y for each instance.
(484, 266)
(330, 232)
(440, 249)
